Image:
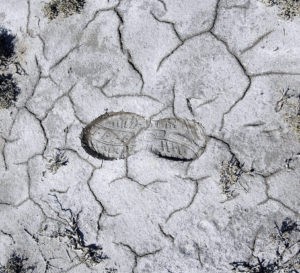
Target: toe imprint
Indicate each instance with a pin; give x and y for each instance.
(174, 139)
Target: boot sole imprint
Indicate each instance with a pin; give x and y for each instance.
(174, 139)
(112, 136)
(108, 136)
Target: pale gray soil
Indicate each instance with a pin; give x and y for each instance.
(202, 172)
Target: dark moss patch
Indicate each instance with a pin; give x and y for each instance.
(9, 90)
(286, 252)
(7, 47)
(16, 264)
(65, 7)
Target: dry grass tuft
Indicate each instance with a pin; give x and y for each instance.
(288, 8)
(65, 7)
(9, 91)
(230, 173)
(289, 104)
(57, 160)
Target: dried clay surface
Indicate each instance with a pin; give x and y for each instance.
(149, 136)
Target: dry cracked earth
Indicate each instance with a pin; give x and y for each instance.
(149, 136)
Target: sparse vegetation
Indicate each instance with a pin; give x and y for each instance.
(57, 160)
(16, 264)
(90, 253)
(289, 103)
(230, 173)
(292, 115)
(291, 162)
(286, 252)
(7, 48)
(64, 7)
(110, 270)
(9, 90)
(285, 95)
(8, 87)
(288, 8)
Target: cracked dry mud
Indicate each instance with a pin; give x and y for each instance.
(149, 136)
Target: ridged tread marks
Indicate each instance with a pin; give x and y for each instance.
(174, 139)
(108, 136)
(112, 136)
